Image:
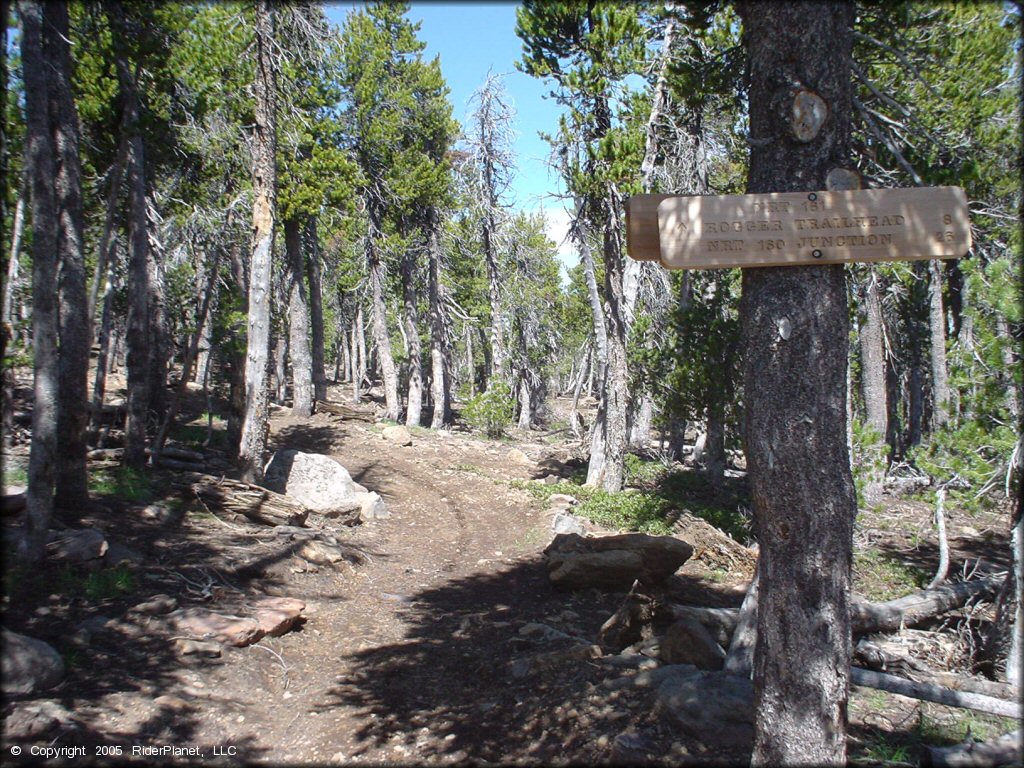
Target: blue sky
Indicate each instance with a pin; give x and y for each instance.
(472, 38)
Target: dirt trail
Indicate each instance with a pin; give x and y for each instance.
(409, 657)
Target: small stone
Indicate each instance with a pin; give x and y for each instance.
(516, 456)
(155, 606)
(172, 703)
(206, 625)
(688, 642)
(397, 435)
(118, 554)
(205, 648)
(563, 523)
(372, 507)
(277, 615)
(77, 546)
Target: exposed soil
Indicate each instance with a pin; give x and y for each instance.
(406, 656)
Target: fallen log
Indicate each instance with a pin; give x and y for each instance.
(105, 454)
(740, 659)
(911, 610)
(907, 611)
(345, 411)
(256, 503)
(1006, 750)
(881, 681)
(166, 462)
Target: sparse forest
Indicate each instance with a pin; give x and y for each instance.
(285, 366)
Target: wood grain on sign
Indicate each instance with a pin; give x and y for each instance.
(792, 228)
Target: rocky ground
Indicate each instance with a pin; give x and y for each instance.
(435, 635)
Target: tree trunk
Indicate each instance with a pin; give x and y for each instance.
(872, 358)
(316, 311)
(611, 428)
(40, 155)
(498, 352)
(99, 387)
(410, 321)
(298, 323)
(440, 381)
(795, 319)
(937, 324)
(139, 310)
(7, 312)
(71, 489)
(253, 441)
(105, 249)
(378, 324)
(359, 335)
(159, 340)
(714, 448)
(279, 357)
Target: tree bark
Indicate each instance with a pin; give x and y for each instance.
(298, 322)
(795, 319)
(139, 309)
(71, 488)
(253, 441)
(378, 323)
(13, 265)
(937, 324)
(159, 337)
(872, 359)
(40, 154)
(440, 381)
(410, 320)
(105, 249)
(99, 387)
(316, 311)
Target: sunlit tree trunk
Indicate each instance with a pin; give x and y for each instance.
(937, 324)
(71, 490)
(378, 324)
(40, 158)
(316, 311)
(298, 322)
(872, 359)
(440, 386)
(410, 321)
(795, 319)
(253, 440)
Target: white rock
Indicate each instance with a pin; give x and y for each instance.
(317, 482)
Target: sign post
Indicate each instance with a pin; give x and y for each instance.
(792, 228)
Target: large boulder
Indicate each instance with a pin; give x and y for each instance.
(317, 482)
(715, 707)
(613, 562)
(29, 665)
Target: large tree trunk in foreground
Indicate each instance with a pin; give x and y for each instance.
(40, 153)
(75, 335)
(298, 322)
(253, 440)
(795, 337)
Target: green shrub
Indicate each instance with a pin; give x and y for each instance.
(490, 411)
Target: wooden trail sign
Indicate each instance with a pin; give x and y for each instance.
(791, 228)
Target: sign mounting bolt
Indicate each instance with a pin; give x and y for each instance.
(816, 253)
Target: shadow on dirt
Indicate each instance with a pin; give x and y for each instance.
(465, 684)
(125, 682)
